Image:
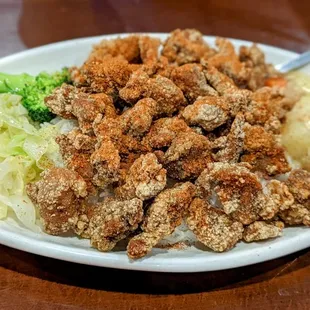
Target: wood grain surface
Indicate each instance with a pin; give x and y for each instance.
(32, 282)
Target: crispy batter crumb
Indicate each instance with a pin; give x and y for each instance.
(112, 221)
(58, 195)
(145, 179)
(162, 217)
(262, 230)
(207, 112)
(212, 226)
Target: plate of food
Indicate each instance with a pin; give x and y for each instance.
(158, 152)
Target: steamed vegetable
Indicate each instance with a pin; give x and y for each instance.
(25, 150)
(33, 90)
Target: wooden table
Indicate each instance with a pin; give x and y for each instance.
(31, 282)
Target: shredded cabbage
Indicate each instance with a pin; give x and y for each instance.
(25, 150)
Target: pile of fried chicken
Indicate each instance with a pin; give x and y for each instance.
(176, 131)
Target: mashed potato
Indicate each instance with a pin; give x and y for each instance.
(296, 131)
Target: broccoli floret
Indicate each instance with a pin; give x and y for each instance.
(33, 90)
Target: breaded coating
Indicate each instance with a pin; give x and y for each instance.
(126, 48)
(185, 46)
(163, 131)
(58, 195)
(232, 147)
(106, 163)
(85, 213)
(278, 199)
(212, 226)
(113, 220)
(76, 77)
(260, 230)
(168, 96)
(298, 184)
(297, 214)
(76, 148)
(263, 152)
(223, 84)
(207, 112)
(254, 59)
(69, 102)
(86, 108)
(163, 67)
(107, 76)
(238, 99)
(60, 100)
(145, 179)
(192, 81)
(279, 192)
(237, 189)
(267, 106)
(112, 129)
(163, 216)
(149, 50)
(188, 155)
(227, 61)
(137, 120)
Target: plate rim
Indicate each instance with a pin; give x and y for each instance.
(154, 263)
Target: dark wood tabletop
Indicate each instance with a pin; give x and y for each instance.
(28, 281)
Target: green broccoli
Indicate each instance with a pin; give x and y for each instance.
(33, 90)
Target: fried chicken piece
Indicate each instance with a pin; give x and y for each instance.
(260, 230)
(68, 102)
(269, 105)
(86, 108)
(106, 163)
(239, 191)
(113, 220)
(281, 194)
(126, 48)
(263, 152)
(207, 112)
(145, 179)
(149, 49)
(163, 216)
(185, 46)
(117, 151)
(192, 81)
(164, 68)
(297, 214)
(76, 148)
(75, 141)
(227, 61)
(278, 199)
(232, 146)
(58, 195)
(163, 131)
(138, 119)
(212, 226)
(298, 184)
(60, 100)
(168, 96)
(85, 213)
(254, 59)
(237, 99)
(112, 129)
(188, 155)
(107, 76)
(223, 84)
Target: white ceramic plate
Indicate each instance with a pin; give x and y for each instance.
(55, 56)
